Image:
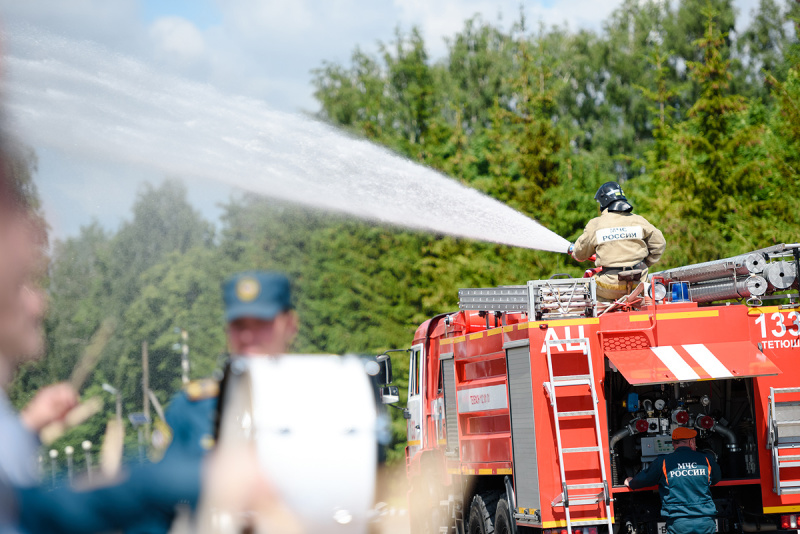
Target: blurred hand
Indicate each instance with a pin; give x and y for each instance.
(236, 488)
(50, 404)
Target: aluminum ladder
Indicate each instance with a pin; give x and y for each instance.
(558, 381)
(784, 433)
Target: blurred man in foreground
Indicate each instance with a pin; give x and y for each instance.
(22, 239)
(261, 321)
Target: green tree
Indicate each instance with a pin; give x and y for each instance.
(525, 144)
(766, 45)
(712, 170)
(163, 222)
(479, 58)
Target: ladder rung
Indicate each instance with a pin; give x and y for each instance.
(585, 486)
(792, 422)
(572, 383)
(581, 449)
(575, 414)
(788, 464)
(584, 523)
(577, 379)
(790, 484)
(578, 502)
(786, 390)
(571, 377)
(789, 457)
(573, 341)
(790, 491)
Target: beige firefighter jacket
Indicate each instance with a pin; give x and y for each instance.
(620, 240)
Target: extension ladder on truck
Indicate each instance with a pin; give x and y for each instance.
(784, 433)
(575, 494)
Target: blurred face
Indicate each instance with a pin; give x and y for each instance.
(18, 257)
(21, 332)
(22, 303)
(249, 336)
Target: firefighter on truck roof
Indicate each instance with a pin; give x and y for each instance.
(684, 479)
(626, 244)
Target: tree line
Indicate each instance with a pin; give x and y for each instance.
(701, 124)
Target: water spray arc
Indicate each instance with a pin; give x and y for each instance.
(80, 99)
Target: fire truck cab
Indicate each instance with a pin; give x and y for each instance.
(529, 406)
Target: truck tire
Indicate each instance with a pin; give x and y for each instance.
(502, 518)
(482, 511)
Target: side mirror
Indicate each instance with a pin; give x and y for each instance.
(384, 376)
(390, 395)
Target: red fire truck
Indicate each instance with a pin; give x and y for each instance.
(529, 406)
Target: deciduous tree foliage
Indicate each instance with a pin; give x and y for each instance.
(667, 99)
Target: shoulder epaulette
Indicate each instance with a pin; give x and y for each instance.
(198, 390)
(160, 440)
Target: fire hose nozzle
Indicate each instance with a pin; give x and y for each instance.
(570, 250)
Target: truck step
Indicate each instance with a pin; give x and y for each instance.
(790, 491)
(576, 414)
(790, 484)
(581, 449)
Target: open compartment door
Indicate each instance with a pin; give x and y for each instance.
(687, 363)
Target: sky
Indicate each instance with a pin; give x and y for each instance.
(260, 49)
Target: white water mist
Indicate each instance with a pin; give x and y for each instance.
(78, 98)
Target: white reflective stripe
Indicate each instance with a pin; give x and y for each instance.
(677, 365)
(604, 235)
(708, 361)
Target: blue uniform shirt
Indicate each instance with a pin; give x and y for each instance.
(149, 491)
(145, 501)
(684, 480)
(17, 462)
(191, 416)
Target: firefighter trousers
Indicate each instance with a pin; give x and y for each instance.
(691, 525)
(610, 287)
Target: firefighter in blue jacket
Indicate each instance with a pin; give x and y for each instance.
(261, 321)
(684, 479)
